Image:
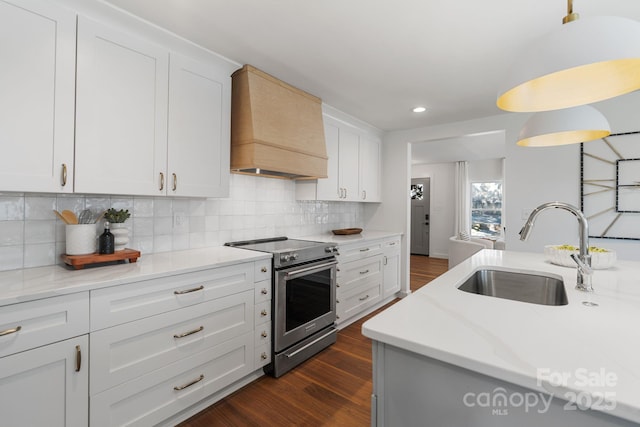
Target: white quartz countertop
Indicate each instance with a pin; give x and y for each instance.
(43, 282)
(351, 238)
(572, 351)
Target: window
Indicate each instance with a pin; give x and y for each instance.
(486, 209)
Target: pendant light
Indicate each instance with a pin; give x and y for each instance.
(586, 60)
(562, 127)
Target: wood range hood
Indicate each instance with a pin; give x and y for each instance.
(276, 129)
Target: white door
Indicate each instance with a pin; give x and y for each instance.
(328, 188)
(37, 79)
(42, 387)
(121, 119)
(199, 128)
(369, 166)
(348, 164)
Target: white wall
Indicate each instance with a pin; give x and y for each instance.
(441, 224)
(532, 175)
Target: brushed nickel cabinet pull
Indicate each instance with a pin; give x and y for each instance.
(264, 334)
(10, 331)
(175, 181)
(364, 272)
(64, 174)
(161, 181)
(364, 194)
(186, 334)
(189, 384)
(363, 298)
(78, 358)
(264, 291)
(186, 291)
(263, 269)
(263, 356)
(365, 249)
(264, 312)
(384, 260)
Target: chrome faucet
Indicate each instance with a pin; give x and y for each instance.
(583, 259)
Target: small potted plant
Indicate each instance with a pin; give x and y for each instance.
(116, 219)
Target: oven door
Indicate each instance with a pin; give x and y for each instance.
(305, 301)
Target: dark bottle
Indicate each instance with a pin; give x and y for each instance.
(106, 240)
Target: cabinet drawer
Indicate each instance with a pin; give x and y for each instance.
(263, 291)
(263, 333)
(357, 271)
(127, 351)
(353, 303)
(262, 356)
(262, 270)
(263, 312)
(133, 301)
(158, 395)
(354, 252)
(391, 246)
(35, 323)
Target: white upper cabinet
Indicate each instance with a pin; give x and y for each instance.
(37, 79)
(121, 118)
(353, 168)
(199, 126)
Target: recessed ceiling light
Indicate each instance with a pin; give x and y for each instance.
(419, 110)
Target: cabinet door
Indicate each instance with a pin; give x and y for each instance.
(391, 274)
(121, 119)
(369, 170)
(329, 188)
(348, 164)
(37, 79)
(41, 387)
(199, 128)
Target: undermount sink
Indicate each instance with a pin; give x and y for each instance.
(524, 287)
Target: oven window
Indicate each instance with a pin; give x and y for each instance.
(308, 297)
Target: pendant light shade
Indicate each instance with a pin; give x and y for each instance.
(584, 61)
(566, 126)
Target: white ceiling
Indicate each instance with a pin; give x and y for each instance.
(479, 146)
(377, 59)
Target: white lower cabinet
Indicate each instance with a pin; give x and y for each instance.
(368, 273)
(160, 346)
(44, 371)
(46, 386)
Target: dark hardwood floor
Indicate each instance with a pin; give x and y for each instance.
(331, 389)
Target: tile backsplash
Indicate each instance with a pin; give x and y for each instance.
(32, 236)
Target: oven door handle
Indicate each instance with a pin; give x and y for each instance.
(295, 273)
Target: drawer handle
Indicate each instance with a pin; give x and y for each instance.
(78, 358)
(10, 331)
(186, 334)
(264, 356)
(264, 312)
(364, 272)
(186, 291)
(364, 249)
(175, 181)
(264, 291)
(182, 387)
(263, 269)
(363, 298)
(63, 179)
(264, 334)
(392, 244)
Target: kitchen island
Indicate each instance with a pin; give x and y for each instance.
(445, 357)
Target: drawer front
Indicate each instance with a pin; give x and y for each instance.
(35, 323)
(357, 271)
(263, 291)
(391, 246)
(263, 334)
(156, 396)
(263, 313)
(130, 350)
(349, 253)
(262, 270)
(133, 301)
(353, 303)
(262, 356)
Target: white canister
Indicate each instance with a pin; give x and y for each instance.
(81, 239)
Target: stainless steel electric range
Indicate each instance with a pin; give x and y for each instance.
(304, 298)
